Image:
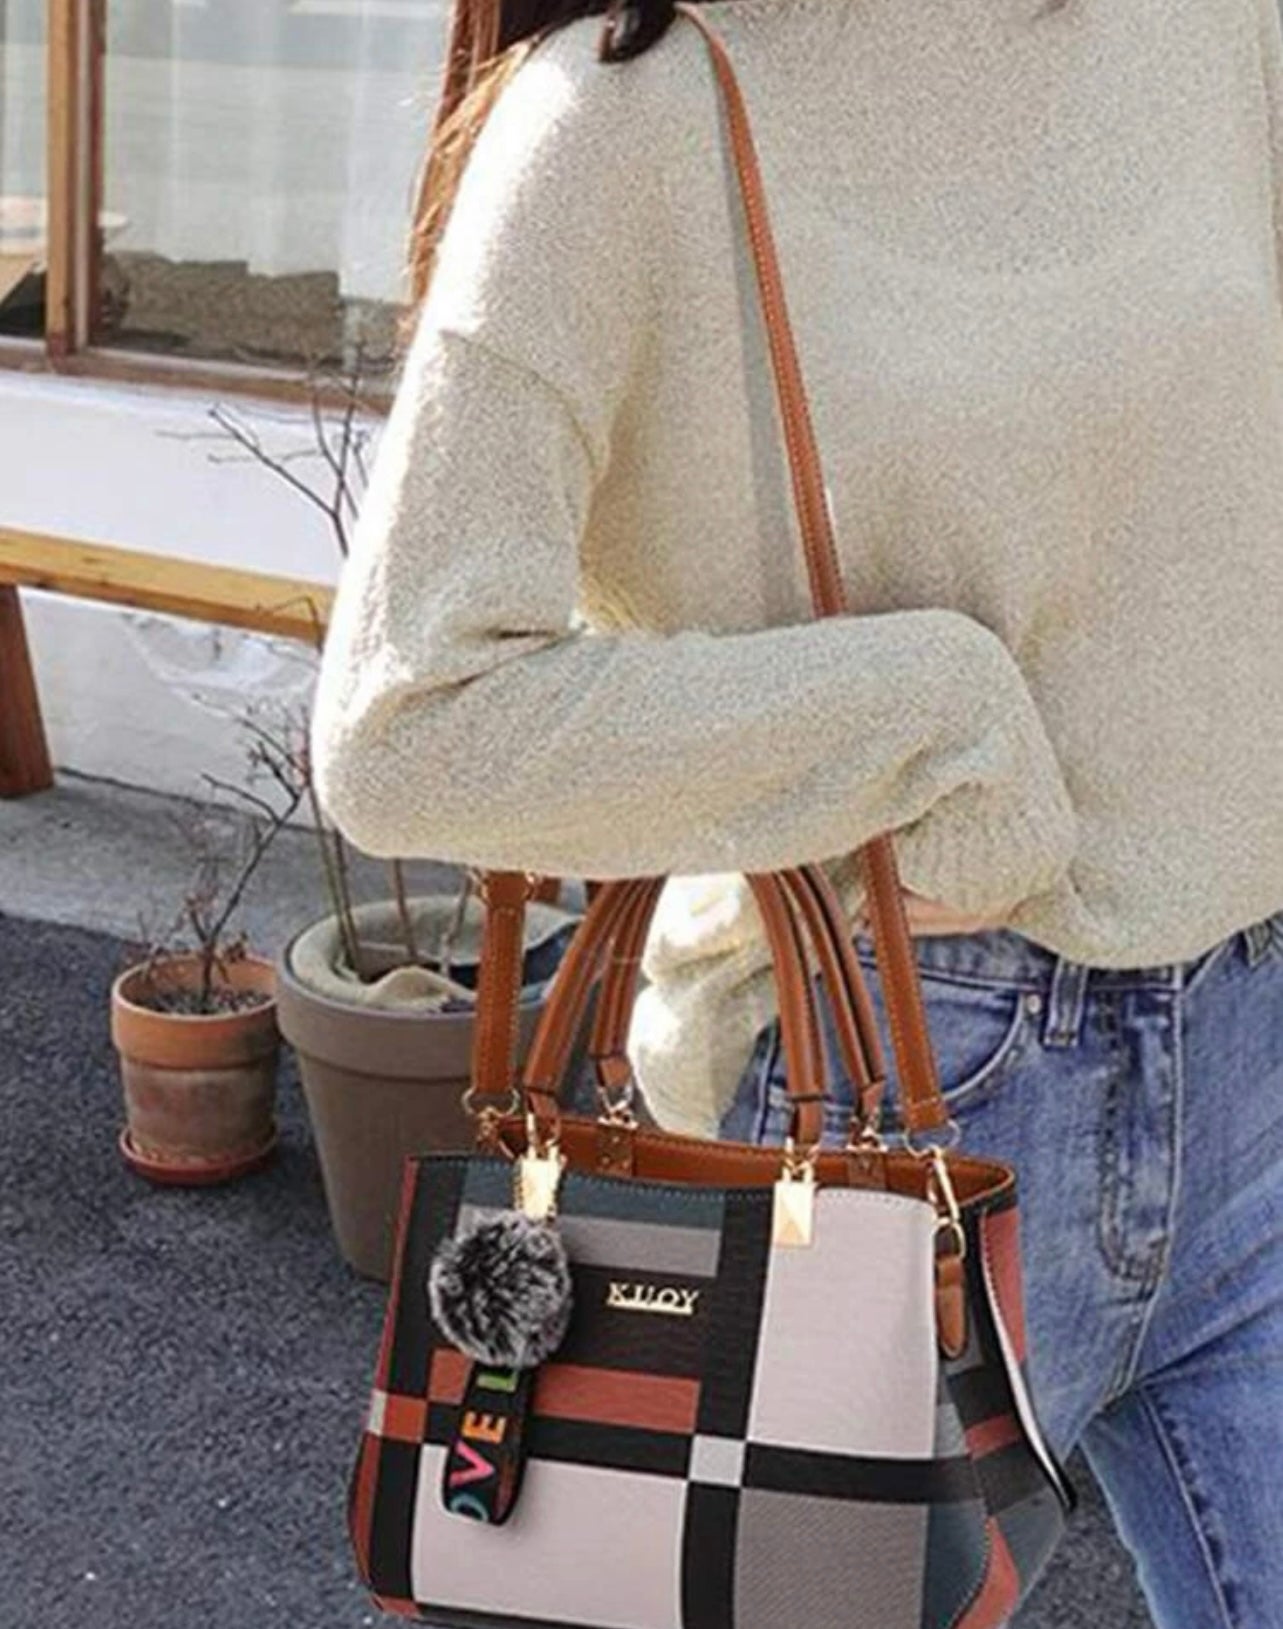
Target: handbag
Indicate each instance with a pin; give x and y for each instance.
(634, 1379)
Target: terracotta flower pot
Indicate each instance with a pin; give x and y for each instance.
(199, 1088)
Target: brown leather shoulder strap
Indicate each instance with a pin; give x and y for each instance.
(810, 500)
(921, 1103)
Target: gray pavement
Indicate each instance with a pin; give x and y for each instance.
(184, 1370)
(184, 1373)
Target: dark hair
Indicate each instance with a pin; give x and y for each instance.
(487, 41)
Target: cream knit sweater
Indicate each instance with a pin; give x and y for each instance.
(1032, 254)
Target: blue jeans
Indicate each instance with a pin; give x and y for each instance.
(1143, 1111)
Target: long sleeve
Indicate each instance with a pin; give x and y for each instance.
(464, 710)
(461, 715)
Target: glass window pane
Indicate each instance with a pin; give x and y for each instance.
(22, 167)
(259, 164)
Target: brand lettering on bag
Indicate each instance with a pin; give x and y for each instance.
(675, 1300)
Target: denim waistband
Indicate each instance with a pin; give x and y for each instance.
(1002, 955)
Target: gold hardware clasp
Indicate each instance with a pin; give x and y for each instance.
(940, 1188)
(537, 1175)
(863, 1137)
(617, 1111)
(793, 1210)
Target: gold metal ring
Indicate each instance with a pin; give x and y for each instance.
(508, 1104)
(926, 1150)
(618, 1111)
(864, 1136)
(799, 1163)
(946, 1224)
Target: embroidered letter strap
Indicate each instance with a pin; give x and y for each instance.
(483, 1468)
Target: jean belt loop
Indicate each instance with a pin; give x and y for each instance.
(1062, 1025)
(1257, 937)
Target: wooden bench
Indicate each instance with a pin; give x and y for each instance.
(283, 606)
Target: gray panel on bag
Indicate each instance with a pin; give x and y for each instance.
(601, 1241)
(797, 1559)
(626, 1199)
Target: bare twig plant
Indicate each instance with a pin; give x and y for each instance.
(224, 867)
(341, 440)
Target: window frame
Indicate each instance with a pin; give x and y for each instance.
(76, 34)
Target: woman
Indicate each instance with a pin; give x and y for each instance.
(1032, 254)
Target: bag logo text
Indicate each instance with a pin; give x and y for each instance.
(673, 1299)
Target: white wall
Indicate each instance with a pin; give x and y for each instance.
(149, 700)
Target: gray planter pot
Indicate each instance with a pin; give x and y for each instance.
(383, 1083)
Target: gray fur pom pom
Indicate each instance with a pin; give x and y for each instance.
(501, 1290)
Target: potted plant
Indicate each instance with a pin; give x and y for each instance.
(194, 1020)
(378, 1001)
(378, 998)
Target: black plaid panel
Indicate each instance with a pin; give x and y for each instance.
(437, 1191)
(393, 1511)
(735, 1315)
(708, 1557)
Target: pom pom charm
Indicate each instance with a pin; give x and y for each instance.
(501, 1290)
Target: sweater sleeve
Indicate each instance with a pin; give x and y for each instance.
(461, 714)
(465, 712)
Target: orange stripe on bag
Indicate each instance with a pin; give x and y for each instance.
(577, 1391)
(404, 1418)
(362, 1510)
(617, 1397)
(987, 1436)
(448, 1375)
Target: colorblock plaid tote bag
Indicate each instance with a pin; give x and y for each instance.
(631, 1379)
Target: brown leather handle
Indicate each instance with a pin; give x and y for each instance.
(494, 1031)
(615, 911)
(608, 1044)
(856, 1028)
(922, 1105)
(550, 1047)
(859, 1043)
